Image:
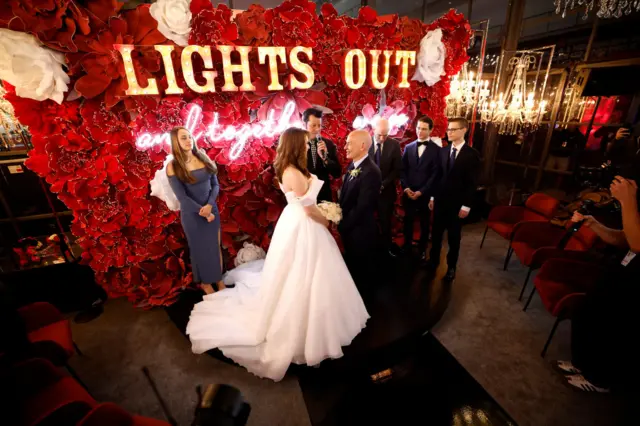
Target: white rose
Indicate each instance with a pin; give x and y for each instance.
(249, 252)
(34, 70)
(174, 19)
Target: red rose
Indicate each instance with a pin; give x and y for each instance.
(294, 23)
(103, 67)
(412, 32)
(253, 28)
(213, 26)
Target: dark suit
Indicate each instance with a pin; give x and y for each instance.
(456, 188)
(390, 166)
(325, 169)
(359, 200)
(419, 174)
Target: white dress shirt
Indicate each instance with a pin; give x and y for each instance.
(422, 148)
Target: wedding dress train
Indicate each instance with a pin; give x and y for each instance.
(299, 305)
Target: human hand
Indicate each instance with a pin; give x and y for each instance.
(409, 193)
(205, 211)
(624, 190)
(211, 218)
(430, 204)
(463, 213)
(579, 217)
(322, 149)
(622, 133)
(417, 194)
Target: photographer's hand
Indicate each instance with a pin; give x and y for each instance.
(589, 221)
(625, 191)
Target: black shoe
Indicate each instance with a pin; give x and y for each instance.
(450, 275)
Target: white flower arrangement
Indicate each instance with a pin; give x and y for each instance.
(248, 253)
(331, 211)
(34, 70)
(174, 19)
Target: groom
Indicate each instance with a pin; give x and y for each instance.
(359, 200)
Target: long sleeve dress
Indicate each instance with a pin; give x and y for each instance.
(202, 236)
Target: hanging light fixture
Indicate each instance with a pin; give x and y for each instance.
(605, 8)
(466, 89)
(521, 106)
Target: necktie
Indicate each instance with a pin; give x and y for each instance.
(314, 152)
(378, 153)
(452, 159)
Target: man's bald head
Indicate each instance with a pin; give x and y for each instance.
(381, 131)
(358, 144)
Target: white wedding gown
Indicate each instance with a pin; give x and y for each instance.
(298, 305)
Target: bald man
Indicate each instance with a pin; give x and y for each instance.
(387, 155)
(359, 201)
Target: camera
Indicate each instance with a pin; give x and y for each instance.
(597, 177)
(218, 405)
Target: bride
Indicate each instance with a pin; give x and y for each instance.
(299, 304)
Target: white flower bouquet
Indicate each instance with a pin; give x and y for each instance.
(331, 211)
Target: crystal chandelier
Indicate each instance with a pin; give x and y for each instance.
(466, 89)
(605, 8)
(519, 108)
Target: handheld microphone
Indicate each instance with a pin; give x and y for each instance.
(323, 154)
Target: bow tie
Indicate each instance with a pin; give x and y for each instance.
(422, 143)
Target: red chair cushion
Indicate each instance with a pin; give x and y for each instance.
(560, 281)
(503, 229)
(58, 332)
(584, 239)
(109, 414)
(147, 421)
(54, 397)
(542, 204)
(523, 251)
(39, 314)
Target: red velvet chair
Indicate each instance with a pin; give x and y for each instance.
(505, 219)
(562, 284)
(50, 333)
(40, 392)
(536, 242)
(109, 414)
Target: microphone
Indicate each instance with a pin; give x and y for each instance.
(324, 153)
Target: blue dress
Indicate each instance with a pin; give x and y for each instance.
(202, 236)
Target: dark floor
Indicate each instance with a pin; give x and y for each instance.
(484, 328)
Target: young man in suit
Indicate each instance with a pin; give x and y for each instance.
(359, 201)
(451, 203)
(322, 155)
(387, 155)
(420, 169)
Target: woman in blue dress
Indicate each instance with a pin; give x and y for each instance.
(193, 178)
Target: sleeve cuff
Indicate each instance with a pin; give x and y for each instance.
(465, 209)
(431, 198)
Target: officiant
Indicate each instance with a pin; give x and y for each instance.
(322, 155)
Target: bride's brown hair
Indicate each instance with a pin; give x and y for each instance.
(292, 152)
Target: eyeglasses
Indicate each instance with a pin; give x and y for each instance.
(453, 130)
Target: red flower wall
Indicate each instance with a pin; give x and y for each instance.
(85, 147)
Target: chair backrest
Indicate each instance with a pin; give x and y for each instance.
(542, 204)
(107, 414)
(582, 240)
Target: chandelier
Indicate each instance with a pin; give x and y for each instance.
(466, 89)
(522, 105)
(605, 8)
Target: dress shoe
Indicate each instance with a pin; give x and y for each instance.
(450, 275)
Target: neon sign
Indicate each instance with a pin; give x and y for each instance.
(215, 132)
(297, 61)
(395, 122)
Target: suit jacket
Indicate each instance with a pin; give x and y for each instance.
(359, 202)
(324, 171)
(420, 173)
(390, 167)
(458, 185)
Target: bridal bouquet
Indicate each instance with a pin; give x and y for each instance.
(331, 211)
